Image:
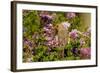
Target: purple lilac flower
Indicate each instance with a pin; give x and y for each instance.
(82, 42)
(71, 15)
(75, 51)
(52, 43)
(48, 26)
(46, 18)
(30, 44)
(49, 34)
(49, 43)
(46, 29)
(26, 41)
(48, 38)
(85, 53)
(73, 34)
(55, 42)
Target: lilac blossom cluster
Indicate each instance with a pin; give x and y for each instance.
(85, 53)
(71, 15)
(50, 35)
(49, 30)
(73, 34)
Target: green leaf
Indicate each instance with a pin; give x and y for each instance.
(70, 58)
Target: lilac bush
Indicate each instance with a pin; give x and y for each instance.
(53, 36)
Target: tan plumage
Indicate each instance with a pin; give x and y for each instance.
(63, 33)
